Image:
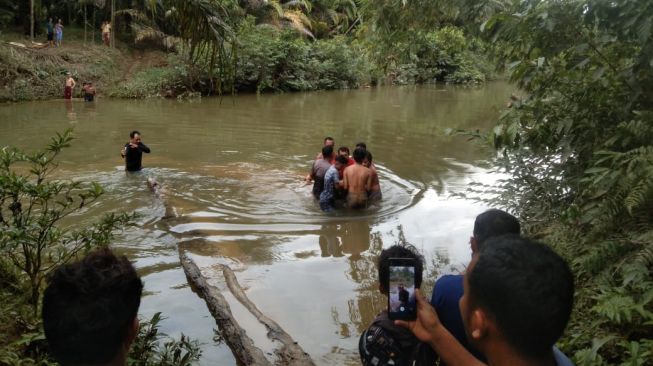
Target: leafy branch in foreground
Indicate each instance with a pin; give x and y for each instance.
(32, 208)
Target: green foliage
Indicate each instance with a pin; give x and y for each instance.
(32, 206)
(34, 242)
(282, 61)
(148, 350)
(578, 147)
(155, 82)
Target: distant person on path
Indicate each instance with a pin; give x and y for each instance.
(106, 32)
(375, 189)
(357, 181)
(384, 343)
(320, 167)
(70, 85)
(331, 185)
(50, 28)
(518, 296)
(89, 92)
(133, 152)
(58, 31)
(90, 310)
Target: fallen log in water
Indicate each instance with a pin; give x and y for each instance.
(290, 353)
(242, 346)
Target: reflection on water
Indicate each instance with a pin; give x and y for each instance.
(233, 173)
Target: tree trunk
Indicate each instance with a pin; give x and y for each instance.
(31, 20)
(113, 24)
(85, 24)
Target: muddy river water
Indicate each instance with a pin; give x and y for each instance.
(233, 167)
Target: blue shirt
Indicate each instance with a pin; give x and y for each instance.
(446, 296)
(330, 180)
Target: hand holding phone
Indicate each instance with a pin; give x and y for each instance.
(401, 289)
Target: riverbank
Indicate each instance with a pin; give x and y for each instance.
(269, 60)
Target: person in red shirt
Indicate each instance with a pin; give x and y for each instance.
(344, 151)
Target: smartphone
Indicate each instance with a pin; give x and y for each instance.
(401, 289)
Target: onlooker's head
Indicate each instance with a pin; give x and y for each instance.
(493, 223)
(329, 141)
(368, 159)
(341, 161)
(344, 151)
(518, 295)
(359, 155)
(398, 251)
(90, 309)
(327, 152)
(361, 145)
(135, 137)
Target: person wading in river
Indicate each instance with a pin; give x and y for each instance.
(133, 152)
(319, 170)
(375, 190)
(328, 141)
(70, 85)
(90, 310)
(357, 181)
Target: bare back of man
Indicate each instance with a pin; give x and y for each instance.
(357, 181)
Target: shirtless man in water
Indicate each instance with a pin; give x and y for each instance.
(70, 85)
(357, 181)
(375, 190)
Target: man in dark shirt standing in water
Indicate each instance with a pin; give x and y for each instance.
(133, 152)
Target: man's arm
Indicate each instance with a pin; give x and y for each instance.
(427, 328)
(143, 148)
(345, 181)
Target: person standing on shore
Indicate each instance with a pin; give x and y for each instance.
(133, 151)
(50, 27)
(106, 32)
(58, 31)
(70, 85)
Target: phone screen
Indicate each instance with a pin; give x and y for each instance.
(401, 289)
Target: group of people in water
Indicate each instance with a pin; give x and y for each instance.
(340, 179)
(88, 90)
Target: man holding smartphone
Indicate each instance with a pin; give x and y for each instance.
(400, 270)
(448, 289)
(133, 151)
(518, 296)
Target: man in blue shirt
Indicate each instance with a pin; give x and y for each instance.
(449, 289)
(518, 296)
(331, 182)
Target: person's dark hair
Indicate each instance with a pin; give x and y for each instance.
(341, 159)
(527, 288)
(89, 307)
(327, 151)
(343, 148)
(493, 223)
(368, 156)
(361, 145)
(133, 133)
(328, 138)
(359, 155)
(399, 251)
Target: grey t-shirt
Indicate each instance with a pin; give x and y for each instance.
(320, 168)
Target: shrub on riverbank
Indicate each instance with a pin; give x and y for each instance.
(580, 153)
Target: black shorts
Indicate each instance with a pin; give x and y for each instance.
(50, 36)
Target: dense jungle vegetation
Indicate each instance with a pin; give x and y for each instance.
(577, 146)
